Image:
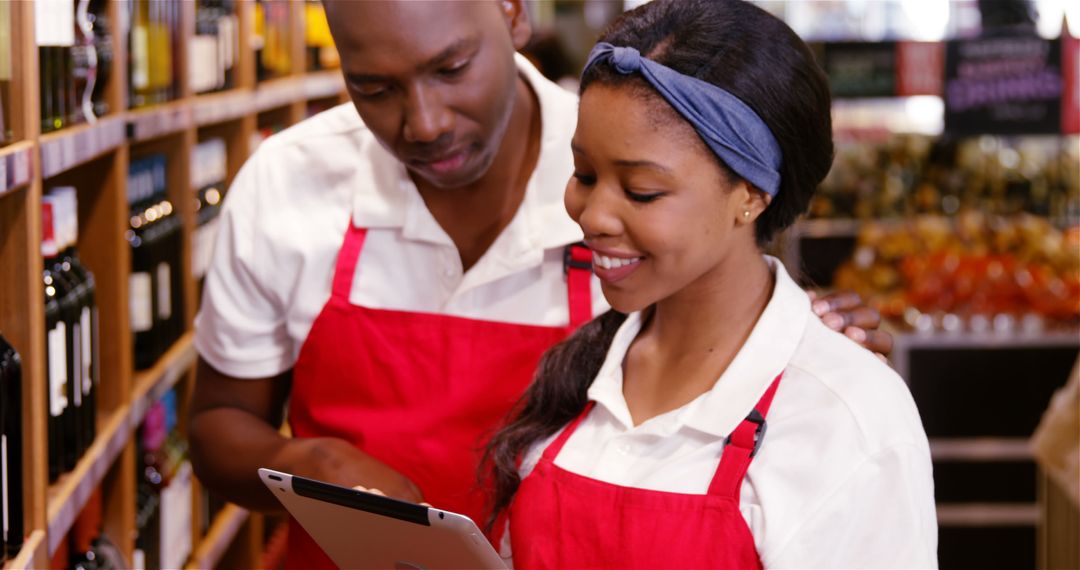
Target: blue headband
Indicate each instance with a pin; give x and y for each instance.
(733, 131)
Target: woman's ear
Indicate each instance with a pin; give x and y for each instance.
(752, 202)
(517, 19)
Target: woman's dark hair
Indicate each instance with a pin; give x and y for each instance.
(755, 57)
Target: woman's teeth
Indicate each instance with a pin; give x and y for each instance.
(612, 262)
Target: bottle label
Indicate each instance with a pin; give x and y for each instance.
(140, 57)
(164, 291)
(57, 350)
(138, 560)
(95, 340)
(76, 364)
(140, 302)
(87, 350)
(54, 22)
(176, 505)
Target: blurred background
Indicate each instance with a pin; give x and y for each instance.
(953, 207)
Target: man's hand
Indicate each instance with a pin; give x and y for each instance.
(336, 461)
(233, 430)
(845, 312)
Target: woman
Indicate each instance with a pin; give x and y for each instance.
(703, 130)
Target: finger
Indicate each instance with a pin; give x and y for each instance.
(813, 295)
(361, 488)
(428, 505)
(873, 340)
(375, 491)
(863, 318)
(413, 492)
(835, 302)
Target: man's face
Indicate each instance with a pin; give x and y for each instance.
(434, 81)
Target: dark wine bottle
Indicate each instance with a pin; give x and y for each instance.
(55, 346)
(11, 449)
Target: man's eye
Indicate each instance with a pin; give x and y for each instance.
(371, 92)
(455, 69)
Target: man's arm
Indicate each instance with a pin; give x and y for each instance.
(233, 430)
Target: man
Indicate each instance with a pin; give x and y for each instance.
(395, 269)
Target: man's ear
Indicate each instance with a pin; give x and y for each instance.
(517, 20)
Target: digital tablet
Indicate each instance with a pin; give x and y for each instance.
(363, 530)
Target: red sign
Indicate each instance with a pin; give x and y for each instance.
(920, 68)
(1070, 76)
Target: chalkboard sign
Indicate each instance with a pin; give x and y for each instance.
(860, 69)
(1003, 85)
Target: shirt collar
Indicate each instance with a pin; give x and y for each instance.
(387, 197)
(766, 353)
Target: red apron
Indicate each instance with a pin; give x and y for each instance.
(561, 519)
(420, 392)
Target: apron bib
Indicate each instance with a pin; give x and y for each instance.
(420, 392)
(561, 519)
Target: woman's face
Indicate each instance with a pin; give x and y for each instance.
(659, 213)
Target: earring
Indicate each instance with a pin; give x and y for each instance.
(746, 214)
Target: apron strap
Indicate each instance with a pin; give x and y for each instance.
(577, 265)
(741, 446)
(557, 444)
(347, 260)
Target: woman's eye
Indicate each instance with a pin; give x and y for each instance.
(586, 179)
(643, 197)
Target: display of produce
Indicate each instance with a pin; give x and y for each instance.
(975, 272)
(906, 175)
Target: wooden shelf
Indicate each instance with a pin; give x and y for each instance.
(26, 560)
(323, 84)
(63, 150)
(95, 158)
(214, 108)
(217, 540)
(988, 514)
(67, 496)
(981, 449)
(280, 92)
(151, 384)
(159, 121)
(16, 166)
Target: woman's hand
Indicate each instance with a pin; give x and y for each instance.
(846, 312)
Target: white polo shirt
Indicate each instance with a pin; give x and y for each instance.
(285, 216)
(843, 478)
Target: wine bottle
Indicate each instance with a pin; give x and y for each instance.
(88, 319)
(55, 346)
(11, 448)
(103, 48)
(6, 133)
(71, 298)
(140, 280)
